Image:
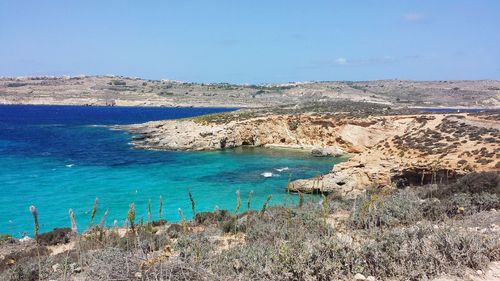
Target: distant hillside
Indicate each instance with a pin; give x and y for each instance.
(127, 91)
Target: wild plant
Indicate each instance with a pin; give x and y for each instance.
(301, 200)
(74, 229)
(103, 219)
(232, 225)
(238, 202)
(74, 232)
(160, 209)
(183, 222)
(131, 216)
(94, 210)
(150, 216)
(288, 202)
(288, 184)
(249, 199)
(264, 207)
(34, 213)
(324, 207)
(193, 205)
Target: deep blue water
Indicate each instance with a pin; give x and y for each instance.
(61, 157)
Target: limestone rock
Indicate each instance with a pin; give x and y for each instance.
(359, 277)
(327, 151)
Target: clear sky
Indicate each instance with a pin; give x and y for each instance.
(253, 41)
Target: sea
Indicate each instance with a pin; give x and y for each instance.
(61, 157)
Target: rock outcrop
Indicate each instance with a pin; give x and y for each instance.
(327, 151)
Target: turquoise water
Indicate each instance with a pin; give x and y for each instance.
(58, 158)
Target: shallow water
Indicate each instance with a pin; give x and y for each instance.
(61, 157)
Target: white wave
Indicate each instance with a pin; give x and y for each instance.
(282, 169)
(267, 174)
(70, 165)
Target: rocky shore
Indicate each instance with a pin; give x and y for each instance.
(384, 150)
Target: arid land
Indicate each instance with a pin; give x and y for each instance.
(127, 91)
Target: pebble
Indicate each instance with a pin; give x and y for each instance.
(359, 277)
(371, 278)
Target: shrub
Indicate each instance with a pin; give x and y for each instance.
(212, 217)
(467, 203)
(54, 237)
(373, 210)
(474, 183)
(433, 209)
(421, 252)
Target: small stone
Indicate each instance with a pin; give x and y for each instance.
(371, 278)
(479, 272)
(56, 267)
(359, 277)
(138, 274)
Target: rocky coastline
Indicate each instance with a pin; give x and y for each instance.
(384, 150)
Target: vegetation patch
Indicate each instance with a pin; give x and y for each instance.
(410, 234)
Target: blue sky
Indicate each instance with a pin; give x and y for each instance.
(253, 41)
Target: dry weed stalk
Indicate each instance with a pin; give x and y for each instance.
(264, 207)
(193, 205)
(249, 199)
(74, 229)
(150, 215)
(160, 209)
(103, 219)
(238, 202)
(301, 199)
(35, 236)
(131, 216)
(183, 221)
(324, 207)
(94, 210)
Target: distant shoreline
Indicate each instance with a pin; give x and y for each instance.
(126, 91)
(116, 106)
